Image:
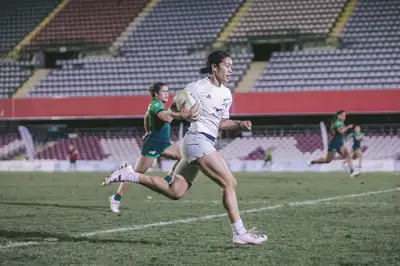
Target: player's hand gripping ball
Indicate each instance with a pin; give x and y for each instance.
(188, 104)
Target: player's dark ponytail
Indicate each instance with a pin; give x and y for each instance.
(206, 70)
(215, 57)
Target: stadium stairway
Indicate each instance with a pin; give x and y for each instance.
(343, 18)
(28, 38)
(33, 80)
(234, 22)
(132, 26)
(250, 77)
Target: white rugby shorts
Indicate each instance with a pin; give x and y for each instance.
(193, 147)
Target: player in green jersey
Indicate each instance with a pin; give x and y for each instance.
(357, 137)
(156, 139)
(336, 145)
(268, 157)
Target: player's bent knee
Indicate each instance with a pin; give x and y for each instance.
(229, 183)
(177, 195)
(234, 183)
(180, 186)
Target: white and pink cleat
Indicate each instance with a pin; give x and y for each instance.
(249, 239)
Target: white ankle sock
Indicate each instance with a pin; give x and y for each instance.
(132, 177)
(238, 228)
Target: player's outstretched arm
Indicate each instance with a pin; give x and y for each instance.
(228, 124)
(344, 129)
(165, 116)
(173, 112)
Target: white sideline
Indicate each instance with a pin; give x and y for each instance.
(200, 218)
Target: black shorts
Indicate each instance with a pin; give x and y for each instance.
(72, 161)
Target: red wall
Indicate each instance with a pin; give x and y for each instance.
(284, 103)
(382, 101)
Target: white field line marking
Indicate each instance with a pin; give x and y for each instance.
(20, 244)
(28, 243)
(213, 216)
(359, 203)
(202, 218)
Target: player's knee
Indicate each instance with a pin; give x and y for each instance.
(180, 187)
(177, 195)
(229, 184)
(235, 184)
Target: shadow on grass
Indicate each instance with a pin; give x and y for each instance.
(56, 205)
(54, 237)
(47, 237)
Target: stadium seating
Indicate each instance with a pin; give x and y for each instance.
(284, 147)
(10, 144)
(121, 149)
(277, 17)
(124, 144)
(19, 17)
(12, 76)
(305, 147)
(89, 22)
(371, 59)
(347, 69)
(373, 24)
(157, 50)
(88, 147)
(115, 145)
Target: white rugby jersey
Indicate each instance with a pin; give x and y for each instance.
(215, 102)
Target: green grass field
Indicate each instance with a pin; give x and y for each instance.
(60, 219)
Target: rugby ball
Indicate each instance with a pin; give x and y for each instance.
(187, 98)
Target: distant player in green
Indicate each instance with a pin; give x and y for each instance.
(357, 137)
(156, 139)
(336, 145)
(268, 157)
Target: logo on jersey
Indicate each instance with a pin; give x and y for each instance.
(208, 96)
(227, 102)
(219, 111)
(152, 152)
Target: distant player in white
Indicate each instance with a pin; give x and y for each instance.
(198, 149)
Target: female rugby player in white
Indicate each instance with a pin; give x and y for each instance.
(198, 151)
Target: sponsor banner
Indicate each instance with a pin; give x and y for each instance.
(166, 165)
